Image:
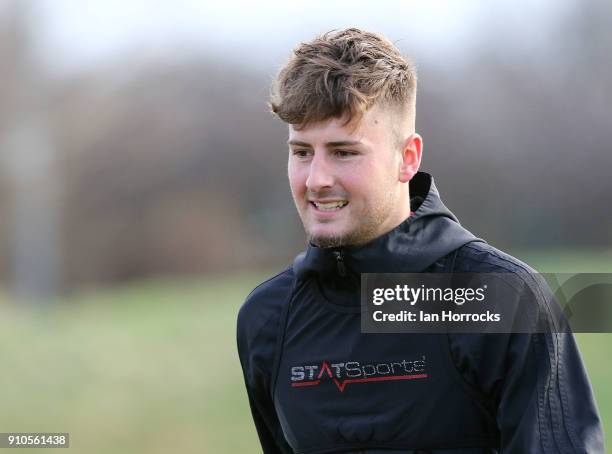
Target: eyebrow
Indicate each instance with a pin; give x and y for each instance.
(338, 143)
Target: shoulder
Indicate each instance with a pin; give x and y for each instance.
(517, 284)
(259, 316)
(481, 257)
(266, 299)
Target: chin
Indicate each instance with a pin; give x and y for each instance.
(327, 239)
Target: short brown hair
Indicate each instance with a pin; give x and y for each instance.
(341, 73)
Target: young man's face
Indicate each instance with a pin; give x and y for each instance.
(349, 183)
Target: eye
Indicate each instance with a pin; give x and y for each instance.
(345, 153)
(301, 152)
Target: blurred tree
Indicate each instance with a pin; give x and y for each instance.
(29, 159)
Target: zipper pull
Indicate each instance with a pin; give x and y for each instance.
(340, 263)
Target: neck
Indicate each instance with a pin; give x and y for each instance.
(399, 215)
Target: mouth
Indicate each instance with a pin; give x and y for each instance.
(329, 207)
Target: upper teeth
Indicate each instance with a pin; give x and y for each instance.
(330, 205)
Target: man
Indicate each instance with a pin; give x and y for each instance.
(316, 383)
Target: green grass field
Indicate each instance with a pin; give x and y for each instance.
(152, 368)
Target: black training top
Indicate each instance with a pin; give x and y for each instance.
(316, 384)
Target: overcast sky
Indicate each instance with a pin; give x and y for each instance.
(72, 34)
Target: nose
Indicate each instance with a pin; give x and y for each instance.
(320, 174)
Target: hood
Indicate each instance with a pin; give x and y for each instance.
(430, 233)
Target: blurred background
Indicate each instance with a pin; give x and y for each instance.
(143, 188)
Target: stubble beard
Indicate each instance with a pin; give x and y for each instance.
(367, 229)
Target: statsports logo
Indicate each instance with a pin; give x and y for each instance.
(347, 372)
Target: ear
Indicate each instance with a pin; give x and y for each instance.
(411, 157)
